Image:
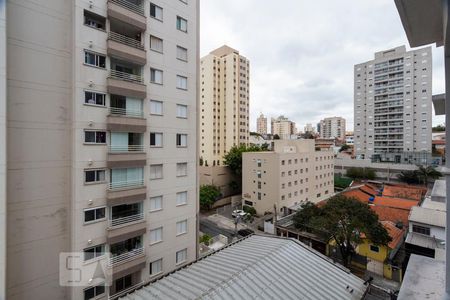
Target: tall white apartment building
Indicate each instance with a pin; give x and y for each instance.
(332, 128)
(261, 124)
(309, 128)
(101, 142)
(283, 127)
(2, 149)
(295, 172)
(224, 103)
(392, 103)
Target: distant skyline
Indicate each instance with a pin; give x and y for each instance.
(302, 52)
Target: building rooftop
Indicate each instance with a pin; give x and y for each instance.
(424, 241)
(392, 214)
(395, 233)
(439, 189)
(258, 267)
(395, 202)
(430, 204)
(406, 192)
(428, 216)
(424, 279)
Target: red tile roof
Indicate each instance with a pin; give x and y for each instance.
(395, 233)
(395, 202)
(406, 192)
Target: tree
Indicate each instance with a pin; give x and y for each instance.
(426, 173)
(249, 209)
(208, 195)
(344, 147)
(205, 239)
(439, 128)
(343, 221)
(308, 135)
(233, 159)
(410, 177)
(276, 137)
(361, 173)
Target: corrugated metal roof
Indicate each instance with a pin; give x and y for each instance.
(258, 267)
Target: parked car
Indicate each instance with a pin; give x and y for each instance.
(238, 213)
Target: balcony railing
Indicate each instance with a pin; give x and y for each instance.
(125, 184)
(126, 76)
(125, 220)
(126, 148)
(124, 257)
(123, 39)
(139, 9)
(138, 113)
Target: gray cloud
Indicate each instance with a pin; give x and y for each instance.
(302, 52)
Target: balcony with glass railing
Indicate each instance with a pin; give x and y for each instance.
(131, 12)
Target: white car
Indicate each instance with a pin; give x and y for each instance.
(238, 213)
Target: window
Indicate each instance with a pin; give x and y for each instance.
(181, 169)
(421, 229)
(156, 267)
(181, 198)
(95, 137)
(181, 227)
(181, 111)
(182, 53)
(181, 82)
(156, 44)
(181, 256)
(93, 292)
(259, 196)
(94, 59)
(94, 176)
(156, 139)
(156, 203)
(93, 252)
(156, 107)
(181, 140)
(156, 235)
(94, 214)
(156, 171)
(123, 283)
(94, 98)
(181, 24)
(94, 20)
(156, 12)
(156, 76)
(374, 248)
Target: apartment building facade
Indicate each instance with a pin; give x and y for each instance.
(261, 124)
(101, 140)
(2, 149)
(292, 174)
(283, 127)
(332, 128)
(224, 103)
(392, 103)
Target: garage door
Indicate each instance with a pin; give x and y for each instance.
(374, 266)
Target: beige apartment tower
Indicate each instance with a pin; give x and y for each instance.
(332, 128)
(101, 142)
(283, 127)
(224, 103)
(290, 175)
(392, 104)
(261, 124)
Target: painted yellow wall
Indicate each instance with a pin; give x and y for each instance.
(364, 250)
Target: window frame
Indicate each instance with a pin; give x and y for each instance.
(95, 98)
(185, 51)
(96, 16)
(179, 139)
(184, 80)
(96, 219)
(160, 260)
(162, 76)
(182, 174)
(159, 229)
(153, 199)
(96, 295)
(162, 44)
(95, 137)
(155, 17)
(103, 246)
(152, 166)
(185, 198)
(185, 256)
(96, 181)
(162, 108)
(186, 110)
(179, 22)
(183, 225)
(97, 61)
(162, 140)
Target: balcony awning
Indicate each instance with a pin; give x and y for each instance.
(422, 21)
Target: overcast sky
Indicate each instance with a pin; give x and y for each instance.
(302, 52)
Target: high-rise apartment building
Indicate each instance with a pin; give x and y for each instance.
(332, 128)
(224, 103)
(295, 172)
(2, 149)
(101, 140)
(309, 128)
(261, 124)
(283, 127)
(392, 103)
